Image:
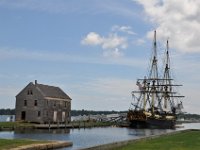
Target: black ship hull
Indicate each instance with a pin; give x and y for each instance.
(153, 123)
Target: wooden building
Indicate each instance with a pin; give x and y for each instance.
(43, 104)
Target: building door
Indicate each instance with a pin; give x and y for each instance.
(63, 116)
(23, 115)
(54, 116)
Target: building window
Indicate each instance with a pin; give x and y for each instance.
(35, 103)
(39, 113)
(29, 92)
(60, 104)
(25, 102)
(65, 104)
(54, 103)
(23, 115)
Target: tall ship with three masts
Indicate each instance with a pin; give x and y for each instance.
(156, 101)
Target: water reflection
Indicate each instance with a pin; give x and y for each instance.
(191, 126)
(36, 131)
(148, 132)
(90, 136)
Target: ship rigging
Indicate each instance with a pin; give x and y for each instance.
(157, 102)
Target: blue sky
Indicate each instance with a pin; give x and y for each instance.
(95, 50)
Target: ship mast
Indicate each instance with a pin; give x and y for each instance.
(153, 75)
(166, 77)
(167, 86)
(150, 86)
(154, 67)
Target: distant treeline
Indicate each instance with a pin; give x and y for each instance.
(7, 111)
(73, 112)
(92, 112)
(189, 116)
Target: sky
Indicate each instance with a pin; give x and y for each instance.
(95, 50)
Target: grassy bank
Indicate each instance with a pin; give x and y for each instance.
(12, 125)
(86, 124)
(9, 144)
(77, 124)
(189, 140)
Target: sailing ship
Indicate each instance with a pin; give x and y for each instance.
(157, 103)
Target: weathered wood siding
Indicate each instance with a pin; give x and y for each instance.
(44, 111)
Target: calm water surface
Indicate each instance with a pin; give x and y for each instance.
(82, 138)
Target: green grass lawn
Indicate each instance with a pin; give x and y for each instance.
(189, 140)
(13, 143)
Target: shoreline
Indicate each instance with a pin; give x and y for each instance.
(28, 144)
(111, 146)
(11, 126)
(45, 146)
(119, 142)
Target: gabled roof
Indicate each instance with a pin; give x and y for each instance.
(51, 91)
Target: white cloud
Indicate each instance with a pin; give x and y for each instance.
(114, 41)
(112, 45)
(125, 29)
(113, 53)
(177, 20)
(92, 39)
(111, 42)
(139, 41)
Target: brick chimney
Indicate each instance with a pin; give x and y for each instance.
(35, 82)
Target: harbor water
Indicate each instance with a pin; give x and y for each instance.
(88, 137)
(7, 118)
